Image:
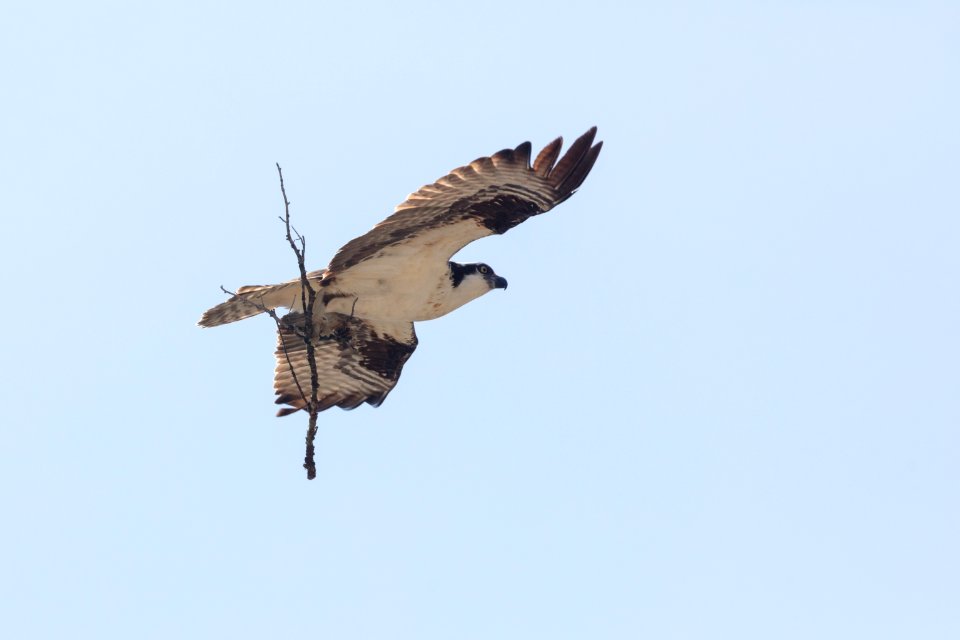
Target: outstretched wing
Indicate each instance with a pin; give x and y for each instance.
(357, 361)
(489, 195)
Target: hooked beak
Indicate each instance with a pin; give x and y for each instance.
(499, 283)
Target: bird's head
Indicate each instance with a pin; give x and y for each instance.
(467, 282)
(476, 278)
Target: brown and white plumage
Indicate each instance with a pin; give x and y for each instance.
(357, 361)
(489, 195)
(400, 272)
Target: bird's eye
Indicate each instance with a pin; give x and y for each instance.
(484, 269)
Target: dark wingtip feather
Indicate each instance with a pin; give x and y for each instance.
(286, 398)
(547, 156)
(572, 159)
(522, 154)
(504, 155)
(286, 411)
(576, 176)
(351, 402)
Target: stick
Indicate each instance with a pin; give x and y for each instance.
(308, 297)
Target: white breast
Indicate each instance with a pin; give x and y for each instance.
(407, 282)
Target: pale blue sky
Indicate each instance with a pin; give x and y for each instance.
(719, 400)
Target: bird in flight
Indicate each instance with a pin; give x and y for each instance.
(400, 272)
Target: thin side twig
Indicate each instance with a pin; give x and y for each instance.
(283, 346)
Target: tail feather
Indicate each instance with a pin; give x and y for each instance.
(250, 301)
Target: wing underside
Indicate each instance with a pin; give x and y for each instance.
(491, 195)
(356, 361)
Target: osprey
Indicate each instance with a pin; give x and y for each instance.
(400, 272)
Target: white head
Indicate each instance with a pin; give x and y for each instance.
(469, 282)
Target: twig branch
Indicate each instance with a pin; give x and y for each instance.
(308, 297)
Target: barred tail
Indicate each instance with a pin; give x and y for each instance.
(249, 301)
